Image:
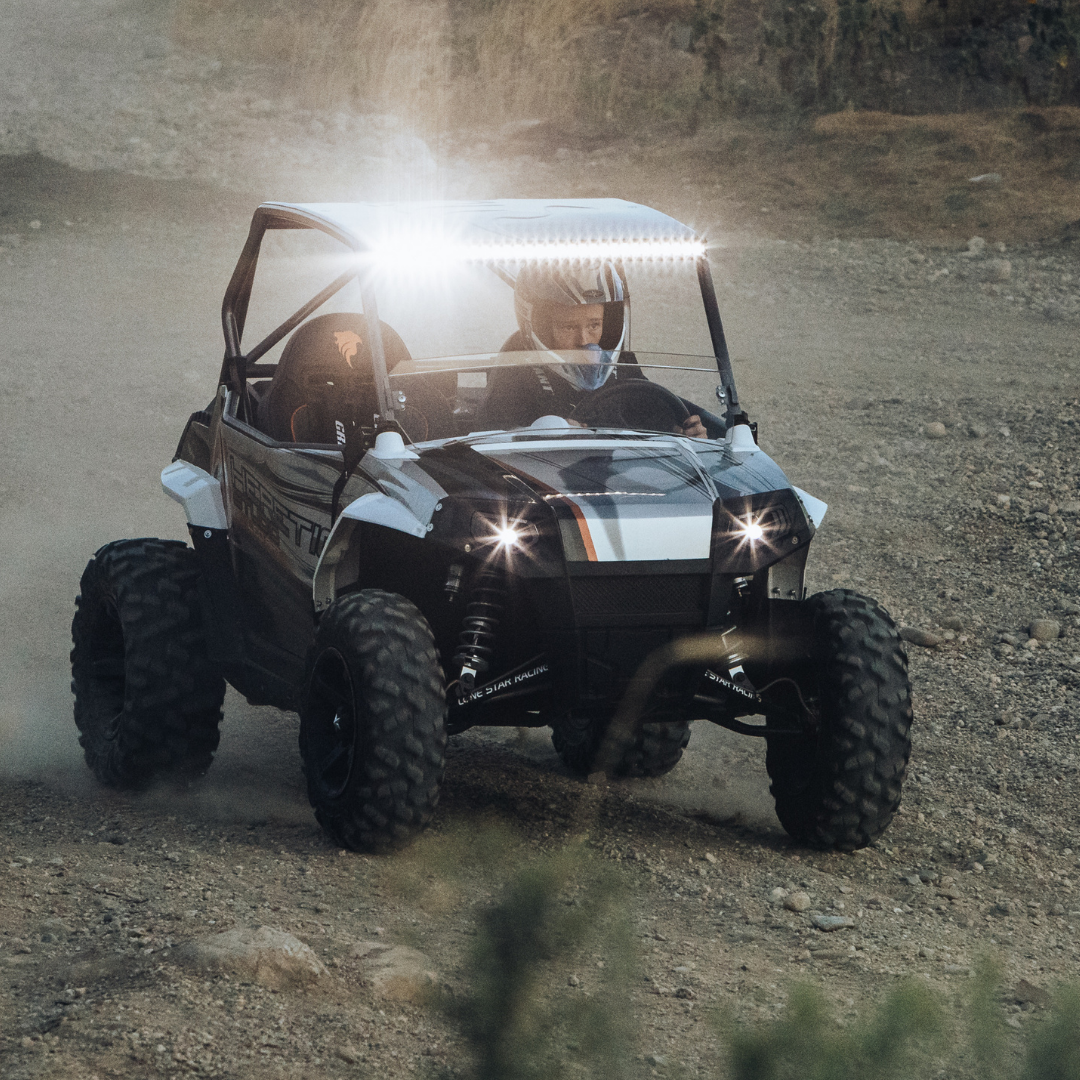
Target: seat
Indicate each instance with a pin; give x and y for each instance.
(324, 385)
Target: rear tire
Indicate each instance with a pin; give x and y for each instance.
(147, 697)
(373, 721)
(840, 786)
(656, 751)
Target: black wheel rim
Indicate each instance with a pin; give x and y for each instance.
(331, 724)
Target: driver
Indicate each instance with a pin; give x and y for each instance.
(562, 308)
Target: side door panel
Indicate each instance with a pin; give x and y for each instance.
(277, 500)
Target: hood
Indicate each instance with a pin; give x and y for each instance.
(624, 499)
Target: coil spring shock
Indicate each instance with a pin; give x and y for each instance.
(476, 642)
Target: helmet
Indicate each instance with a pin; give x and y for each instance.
(539, 290)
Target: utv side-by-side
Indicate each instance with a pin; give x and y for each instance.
(385, 542)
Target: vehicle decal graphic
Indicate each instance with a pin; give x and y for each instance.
(505, 683)
(583, 528)
(347, 344)
(629, 503)
(269, 515)
(736, 683)
(620, 533)
(569, 501)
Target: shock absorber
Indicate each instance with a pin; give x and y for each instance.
(476, 642)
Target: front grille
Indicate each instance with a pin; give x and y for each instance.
(647, 599)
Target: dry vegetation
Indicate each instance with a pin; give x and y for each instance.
(1007, 176)
(737, 96)
(440, 64)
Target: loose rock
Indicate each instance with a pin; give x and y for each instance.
(1026, 992)
(269, 957)
(935, 430)
(926, 638)
(797, 901)
(829, 923)
(396, 972)
(1045, 630)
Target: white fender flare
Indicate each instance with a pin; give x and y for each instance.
(815, 508)
(374, 507)
(197, 492)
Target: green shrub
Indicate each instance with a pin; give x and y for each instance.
(1053, 1051)
(806, 1044)
(518, 1017)
(554, 916)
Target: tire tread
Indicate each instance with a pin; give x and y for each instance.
(657, 750)
(391, 652)
(138, 615)
(842, 789)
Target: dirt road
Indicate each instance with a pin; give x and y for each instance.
(847, 353)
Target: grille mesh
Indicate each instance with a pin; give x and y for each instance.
(660, 594)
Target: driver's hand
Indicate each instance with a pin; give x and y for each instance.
(693, 428)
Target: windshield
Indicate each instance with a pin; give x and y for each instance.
(656, 392)
(470, 308)
(637, 354)
(476, 347)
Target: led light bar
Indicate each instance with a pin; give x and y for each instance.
(415, 250)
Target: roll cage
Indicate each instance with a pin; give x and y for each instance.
(494, 233)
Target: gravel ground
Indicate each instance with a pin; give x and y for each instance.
(930, 396)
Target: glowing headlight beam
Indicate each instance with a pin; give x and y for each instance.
(751, 532)
(507, 537)
(502, 535)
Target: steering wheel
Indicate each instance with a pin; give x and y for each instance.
(636, 403)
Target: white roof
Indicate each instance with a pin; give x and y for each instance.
(495, 227)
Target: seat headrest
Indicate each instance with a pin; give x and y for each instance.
(324, 384)
(337, 343)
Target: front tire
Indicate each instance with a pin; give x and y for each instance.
(147, 696)
(657, 749)
(839, 786)
(373, 721)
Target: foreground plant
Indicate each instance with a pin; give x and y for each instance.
(806, 1043)
(913, 1034)
(526, 944)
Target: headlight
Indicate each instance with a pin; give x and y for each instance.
(754, 531)
(502, 534)
(751, 531)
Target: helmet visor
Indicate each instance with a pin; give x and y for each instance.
(578, 326)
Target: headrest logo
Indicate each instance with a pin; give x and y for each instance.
(347, 344)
